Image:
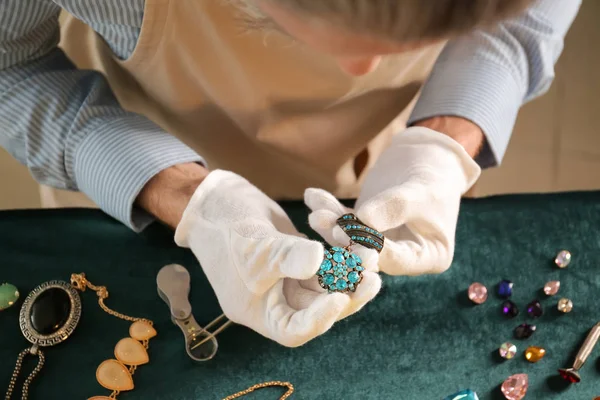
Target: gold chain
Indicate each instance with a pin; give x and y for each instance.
(288, 393)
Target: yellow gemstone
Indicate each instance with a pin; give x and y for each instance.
(114, 376)
(141, 330)
(534, 354)
(131, 352)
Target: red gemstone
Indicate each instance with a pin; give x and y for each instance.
(569, 377)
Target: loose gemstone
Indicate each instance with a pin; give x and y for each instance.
(565, 305)
(353, 277)
(515, 387)
(505, 288)
(524, 331)
(507, 350)
(563, 259)
(551, 288)
(338, 257)
(50, 311)
(328, 279)
(510, 309)
(8, 295)
(534, 354)
(534, 309)
(341, 284)
(478, 293)
(466, 394)
(350, 262)
(569, 375)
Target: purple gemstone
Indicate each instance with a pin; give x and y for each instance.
(534, 309)
(524, 331)
(510, 309)
(505, 288)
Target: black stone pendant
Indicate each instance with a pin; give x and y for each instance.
(524, 331)
(534, 309)
(50, 313)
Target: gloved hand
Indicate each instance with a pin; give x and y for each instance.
(411, 195)
(261, 269)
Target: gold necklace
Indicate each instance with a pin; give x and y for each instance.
(63, 301)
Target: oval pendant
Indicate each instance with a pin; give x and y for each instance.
(50, 313)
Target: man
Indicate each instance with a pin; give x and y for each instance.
(289, 94)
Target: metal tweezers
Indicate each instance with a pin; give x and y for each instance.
(173, 282)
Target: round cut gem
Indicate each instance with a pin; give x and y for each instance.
(50, 311)
(328, 279)
(350, 262)
(534, 309)
(515, 387)
(505, 288)
(341, 284)
(338, 257)
(524, 331)
(510, 309)
(551, 288)
(565, 305)
(326, 265)
(356, 258)
(353, 277)
(478, 293)
(563, 259)
(8, 295)
(534, 354)
(507, 350)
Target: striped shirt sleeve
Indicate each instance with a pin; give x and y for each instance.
(486, 77)
(65, 124)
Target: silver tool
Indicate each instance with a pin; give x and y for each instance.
(173, 282)
(572, 374)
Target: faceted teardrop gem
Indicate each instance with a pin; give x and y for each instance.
(50, 311)
(505, 289)
(563, 259)
(569, 375)
(534, 354)
(515, 387)
(8, 295)
(141, 330)
(524, 331)
(507, 350)
(478, 293)
(114, 376)
(534, 309)
(551, 288)
(131, 352)
(510, 309)
(466, 394)
(565, 305)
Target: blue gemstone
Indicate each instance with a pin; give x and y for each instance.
(351, 286)
(338, 257)
(321, 272)
(353, 277)
(329, 255)
(332, 287)
(348, 226)
(328, 279)
(359, 268)
(353, 238)
(505, 288)
(326, 265)
(351, 262)
(356, 258)
(466, 394)
(341, 284)
(345, 272)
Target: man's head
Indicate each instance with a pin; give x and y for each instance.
(358, 32)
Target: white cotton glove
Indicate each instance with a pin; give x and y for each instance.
(411, 195)
(260, 267)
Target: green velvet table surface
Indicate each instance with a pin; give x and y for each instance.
(420, 338)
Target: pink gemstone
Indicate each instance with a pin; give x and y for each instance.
(551, 288)
(477, 293)
(515, 387)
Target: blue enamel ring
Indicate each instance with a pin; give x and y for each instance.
(341, 270)
(361, 233)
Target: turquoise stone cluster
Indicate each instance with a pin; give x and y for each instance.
(340, 271)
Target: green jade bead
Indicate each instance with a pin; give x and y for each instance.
(8, 295)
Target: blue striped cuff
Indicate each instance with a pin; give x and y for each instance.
(479, 90)
(116, 159)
